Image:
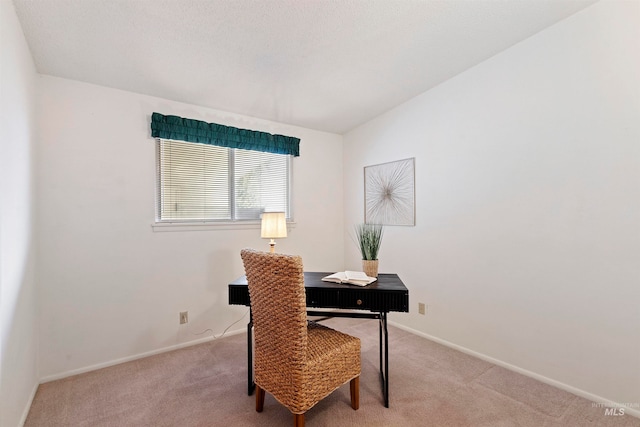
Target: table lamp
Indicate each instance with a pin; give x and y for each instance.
(274, 226)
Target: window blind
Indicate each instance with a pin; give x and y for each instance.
(201, 182)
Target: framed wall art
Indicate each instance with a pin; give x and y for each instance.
(389, 193)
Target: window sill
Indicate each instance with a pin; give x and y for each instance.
(161, 227)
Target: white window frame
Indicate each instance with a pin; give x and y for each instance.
(222, 224)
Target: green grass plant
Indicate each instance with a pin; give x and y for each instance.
(369, 238)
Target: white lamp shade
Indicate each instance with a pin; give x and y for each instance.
(274, 225)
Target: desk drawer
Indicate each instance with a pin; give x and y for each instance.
(358, 299)
(362, 300)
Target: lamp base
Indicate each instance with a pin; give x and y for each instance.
(272, 246)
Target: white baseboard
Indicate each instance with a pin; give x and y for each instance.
(27, 407)
(566, 387)
(90, 368)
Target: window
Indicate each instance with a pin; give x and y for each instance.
(208, 183)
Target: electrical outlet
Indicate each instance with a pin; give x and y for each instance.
(421, 308)
(184, 317)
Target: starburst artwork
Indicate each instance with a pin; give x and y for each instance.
(389, 193)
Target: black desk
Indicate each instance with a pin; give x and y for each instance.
(386, 294)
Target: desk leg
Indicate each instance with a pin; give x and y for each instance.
(380, 346)
(384, 358)
(250, 384)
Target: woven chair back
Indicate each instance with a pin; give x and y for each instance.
(278, 306)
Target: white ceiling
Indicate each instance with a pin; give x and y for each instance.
(320, 64)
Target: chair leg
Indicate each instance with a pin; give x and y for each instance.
(298, 420)
(354, 387)
(259, 399)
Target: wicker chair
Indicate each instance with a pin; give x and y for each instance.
(297, 361)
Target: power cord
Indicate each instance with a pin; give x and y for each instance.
(226, 329)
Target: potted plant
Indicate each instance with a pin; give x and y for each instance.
(369, 238)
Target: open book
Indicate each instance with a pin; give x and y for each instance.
(351, 277)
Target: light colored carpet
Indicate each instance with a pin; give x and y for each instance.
(205, 385)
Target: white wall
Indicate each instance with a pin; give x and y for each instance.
(526, 247)
(18, 301)
(111, 287)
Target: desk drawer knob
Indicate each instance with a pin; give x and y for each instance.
(359, 302)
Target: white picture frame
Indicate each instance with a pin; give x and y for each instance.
(389, 193)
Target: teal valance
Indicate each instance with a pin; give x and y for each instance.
(181, 129)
